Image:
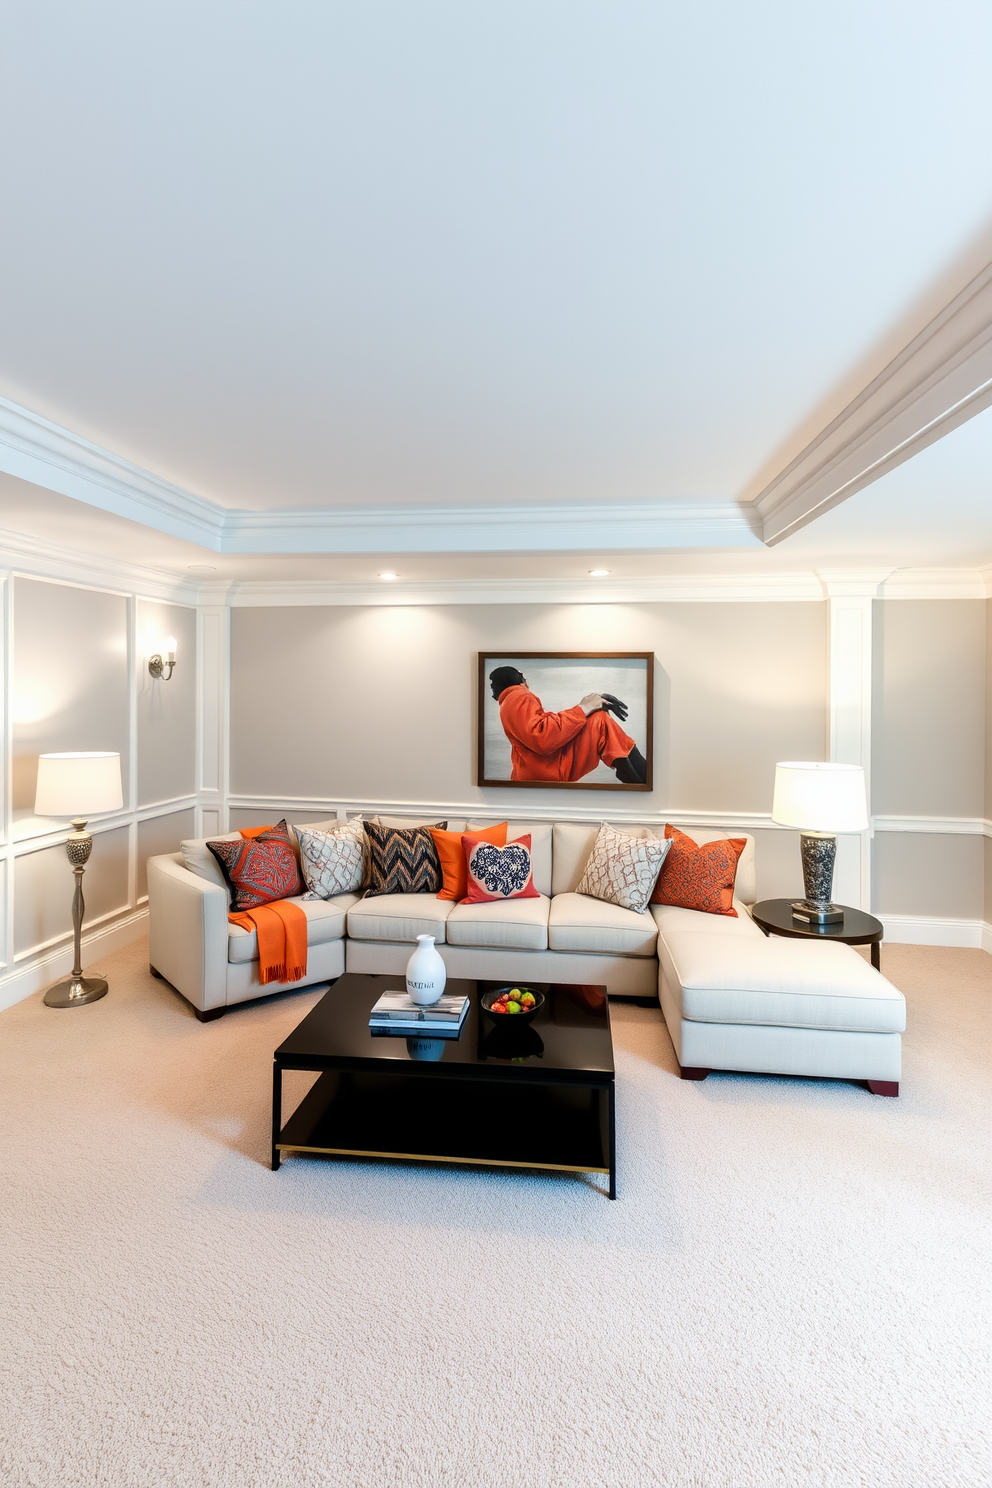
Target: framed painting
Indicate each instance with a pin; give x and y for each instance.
(578, 719)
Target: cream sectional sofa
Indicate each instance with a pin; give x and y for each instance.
(732, 998)
(562, 936)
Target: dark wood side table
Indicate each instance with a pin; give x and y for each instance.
(856, 928)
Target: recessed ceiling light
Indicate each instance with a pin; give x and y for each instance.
(200, 568)
(598, 573)
(388, 575)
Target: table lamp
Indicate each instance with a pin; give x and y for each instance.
(820, 799)
(78, 786)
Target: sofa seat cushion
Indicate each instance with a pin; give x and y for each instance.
(579, 923)
(778, 983)
(399, 917)
(672, 917)
(325, 922)
(513, 924)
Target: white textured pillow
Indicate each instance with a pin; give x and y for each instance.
(622, 869)
(334, 860)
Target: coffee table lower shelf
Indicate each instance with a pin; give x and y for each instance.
(568, 1128)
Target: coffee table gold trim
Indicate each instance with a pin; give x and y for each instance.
(474, 1162)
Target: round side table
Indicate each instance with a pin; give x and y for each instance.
(856, 928)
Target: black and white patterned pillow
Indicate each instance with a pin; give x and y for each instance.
(496, 873)
(403, 860)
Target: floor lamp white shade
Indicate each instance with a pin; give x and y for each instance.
(78, 785)
(82, 784)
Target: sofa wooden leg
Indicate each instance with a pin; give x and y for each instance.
(210, 1014)
(156, 974)
(883, 1087)
(692, 1072)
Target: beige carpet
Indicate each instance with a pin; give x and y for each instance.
(790, 1291)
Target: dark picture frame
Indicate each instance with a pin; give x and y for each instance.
(637, 667)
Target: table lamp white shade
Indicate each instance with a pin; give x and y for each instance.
(820, 797)
(78, 785)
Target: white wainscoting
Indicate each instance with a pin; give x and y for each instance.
(34, 966)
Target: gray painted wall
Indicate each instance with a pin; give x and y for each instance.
(70, 677)
(365, 703)
(928, 707)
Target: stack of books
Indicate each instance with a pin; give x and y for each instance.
(395, 1013)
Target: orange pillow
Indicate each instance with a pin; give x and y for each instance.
(694, 877)
(452, 855)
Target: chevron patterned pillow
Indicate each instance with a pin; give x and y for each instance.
(403, 860)
(623, 869)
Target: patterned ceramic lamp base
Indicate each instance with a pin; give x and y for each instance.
(818, 854)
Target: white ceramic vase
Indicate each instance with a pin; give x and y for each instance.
(426, 973)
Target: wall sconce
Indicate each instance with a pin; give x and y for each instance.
(157, 667)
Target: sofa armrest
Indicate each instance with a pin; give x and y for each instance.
(187, 931)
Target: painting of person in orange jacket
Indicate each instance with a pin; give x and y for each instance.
(566, 746)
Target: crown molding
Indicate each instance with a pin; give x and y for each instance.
(936, 583)
(37, 558)
(710, 588)
(942, 378)
(36, 450)
(568, 528)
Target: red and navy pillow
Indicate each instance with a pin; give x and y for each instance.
(260, 869)
(496, 873)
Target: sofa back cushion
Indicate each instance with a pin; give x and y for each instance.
(540, 846)
(573, 845)
(201, 861)
(745, 887)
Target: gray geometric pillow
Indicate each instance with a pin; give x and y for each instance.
(623, 869)
(334, 859)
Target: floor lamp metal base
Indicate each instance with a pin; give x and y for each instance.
(75, 992)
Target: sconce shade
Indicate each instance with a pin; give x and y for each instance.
(820, 797)
(78, 785)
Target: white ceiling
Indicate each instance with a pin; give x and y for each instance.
(506, 256)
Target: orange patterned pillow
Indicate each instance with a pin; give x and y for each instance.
(694, 877)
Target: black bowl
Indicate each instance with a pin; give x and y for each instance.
(512, 1020)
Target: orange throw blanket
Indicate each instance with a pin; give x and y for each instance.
(282, 939)
(281, 928)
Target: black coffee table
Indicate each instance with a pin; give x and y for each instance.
(856, 928)
(500, 1095)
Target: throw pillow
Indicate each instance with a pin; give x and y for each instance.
(699, 877)
(259, 869)
(623, 869)
(498, 872)
(403, 860)
(333, 860)
(451, 854)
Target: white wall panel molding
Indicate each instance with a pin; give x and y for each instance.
(93, 927)
(24, 981)
(850, 597)
(744, 821)
(942, 378)
(39, 559)
(918, 930)
(943, 826)
(213, 670)
(324, 807)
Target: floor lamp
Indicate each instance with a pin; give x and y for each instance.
(78, 786)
